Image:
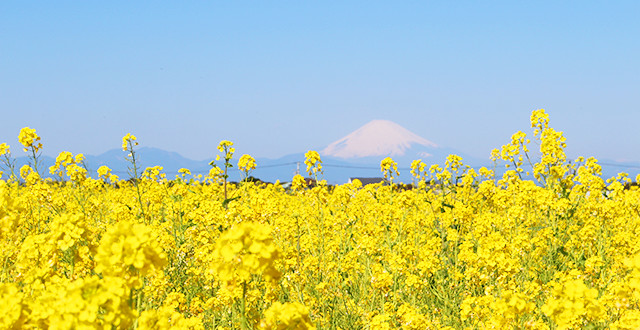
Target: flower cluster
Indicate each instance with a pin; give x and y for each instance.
(389, 168)
(287, 316)
(128, 142)
(246, 164)
(313, 162)
(227, 148)
(129, 250)
(29, 139)
(104, 173)
(4, 149)
(246, 249)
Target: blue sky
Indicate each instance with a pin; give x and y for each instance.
(284, 77)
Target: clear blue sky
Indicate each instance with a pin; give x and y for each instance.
(284, 77)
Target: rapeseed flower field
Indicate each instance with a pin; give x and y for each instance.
(555, 248)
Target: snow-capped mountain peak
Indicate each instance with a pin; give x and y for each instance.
(376, 138)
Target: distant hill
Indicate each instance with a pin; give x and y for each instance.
(147, 157)
(358, 154)
(336, 170)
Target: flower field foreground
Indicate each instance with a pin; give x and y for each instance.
(462, 249)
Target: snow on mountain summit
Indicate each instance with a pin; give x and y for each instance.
(376, 138)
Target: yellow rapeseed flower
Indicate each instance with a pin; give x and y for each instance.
(127, 140)
(4, 149)
(104, 172)
(246, 163)
(246, 249)
(29, 139)
(286, 316)
(389, 168)
(313, 162)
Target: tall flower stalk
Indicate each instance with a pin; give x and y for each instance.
(128, 144)
(8, 163)
(225, 147)
(30, 140)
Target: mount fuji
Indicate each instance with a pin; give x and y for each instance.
(378, 138)
(383, 138)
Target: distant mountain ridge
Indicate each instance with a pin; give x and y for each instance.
(358, 154)
(336, 170)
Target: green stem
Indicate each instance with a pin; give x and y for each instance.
(10, 166)
(135, 180)
(35, 160)
(225, 180)
(245, 322)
